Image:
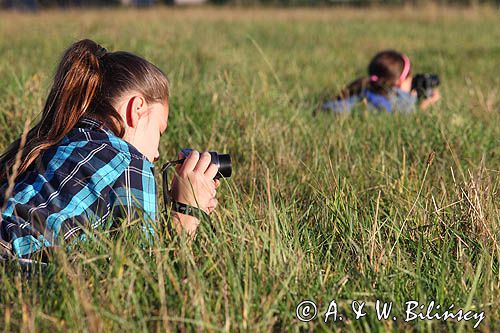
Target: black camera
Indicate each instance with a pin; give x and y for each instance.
(222, 160)
(424, 83)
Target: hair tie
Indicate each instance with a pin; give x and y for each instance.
(101, 52)
(374, 78)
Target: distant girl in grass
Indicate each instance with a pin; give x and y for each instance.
(388, 87)
(90, 157)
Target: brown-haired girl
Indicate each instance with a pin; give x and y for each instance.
(90, 157)
(386, 88)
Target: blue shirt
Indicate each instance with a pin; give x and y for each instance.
(84, 181)
(398, 100)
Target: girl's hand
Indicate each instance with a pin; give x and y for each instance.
(436, 95)
(194, 182)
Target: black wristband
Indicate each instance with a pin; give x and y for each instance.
(182, 208)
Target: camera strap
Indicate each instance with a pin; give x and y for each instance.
(167, 199)
(182, 208)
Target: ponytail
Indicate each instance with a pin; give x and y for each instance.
(358, 87)
(76, 82)
(355, 88)
(88, 82)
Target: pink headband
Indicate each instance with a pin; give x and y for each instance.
(406, 67)
(374, 78)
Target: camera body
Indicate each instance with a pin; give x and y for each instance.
(222, 160)
(424, 83)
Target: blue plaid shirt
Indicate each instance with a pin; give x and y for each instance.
(85, 181)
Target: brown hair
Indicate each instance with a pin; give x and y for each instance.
(384, 71)
(88, 82)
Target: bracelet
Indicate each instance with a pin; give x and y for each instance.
(182, 208)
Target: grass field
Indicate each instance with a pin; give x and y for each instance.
(352, 207)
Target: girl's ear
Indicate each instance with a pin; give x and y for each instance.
(136, 107)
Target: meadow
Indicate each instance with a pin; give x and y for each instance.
(361, 206)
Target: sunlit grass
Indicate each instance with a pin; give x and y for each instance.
(361, 206)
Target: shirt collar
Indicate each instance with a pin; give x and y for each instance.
(92, 123)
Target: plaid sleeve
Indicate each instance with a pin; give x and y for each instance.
(134, 193)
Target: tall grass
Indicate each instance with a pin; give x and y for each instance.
(353, 207)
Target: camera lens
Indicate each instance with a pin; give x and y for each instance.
(225, 168)
(434, 78)
(224, 163)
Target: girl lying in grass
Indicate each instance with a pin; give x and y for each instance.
(388, 87)
(90, 157)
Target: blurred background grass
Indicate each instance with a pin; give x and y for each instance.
(359, 206)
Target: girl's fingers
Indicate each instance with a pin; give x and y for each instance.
(203, 162)
(212, 204)
(212, 171)
(191, 161)
(178, 168)
(216, 183)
